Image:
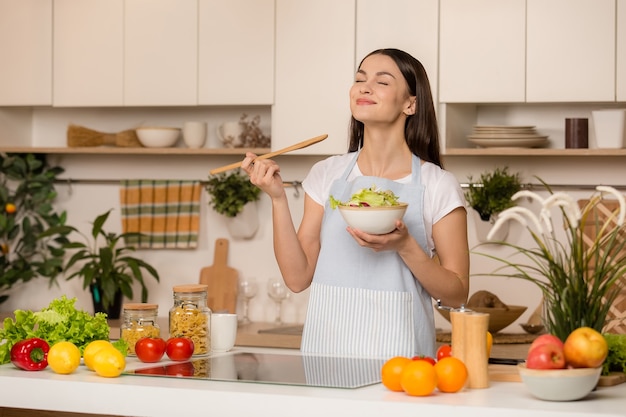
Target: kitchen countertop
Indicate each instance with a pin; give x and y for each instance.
(85, 392)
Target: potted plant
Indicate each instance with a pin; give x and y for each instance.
(581, 273)
(107, 269)
(490, 196)
(230, 196)
(27, 250)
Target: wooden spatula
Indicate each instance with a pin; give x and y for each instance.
(221, 280)
(298, 145)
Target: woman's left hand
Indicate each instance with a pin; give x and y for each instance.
(378, 243)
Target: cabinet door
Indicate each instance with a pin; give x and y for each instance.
(621, 51)
(414, 30)
(161, 52)
(482, 51)
(571, 50)
(26, 51)
(314, 73)
(88, 53)
(236, 52)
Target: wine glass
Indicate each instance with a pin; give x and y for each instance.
(277, 290)
(247, 290)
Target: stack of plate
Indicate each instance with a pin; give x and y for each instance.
(507, 136)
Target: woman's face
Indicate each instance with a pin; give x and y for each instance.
(380, 93)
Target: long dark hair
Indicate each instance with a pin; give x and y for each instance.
(420, 130)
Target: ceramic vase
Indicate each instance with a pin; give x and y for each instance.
(245, 224)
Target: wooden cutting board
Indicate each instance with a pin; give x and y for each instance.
(221, 279)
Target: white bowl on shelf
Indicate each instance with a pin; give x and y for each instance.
(158, 137)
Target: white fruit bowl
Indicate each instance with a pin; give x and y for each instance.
(373, 220)
(158, 137)
(559, 384)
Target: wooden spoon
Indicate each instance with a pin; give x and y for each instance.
(298, 145)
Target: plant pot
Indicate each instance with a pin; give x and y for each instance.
(245, 224)
(113, 311)
(483, 227)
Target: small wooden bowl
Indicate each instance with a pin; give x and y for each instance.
(532, 328)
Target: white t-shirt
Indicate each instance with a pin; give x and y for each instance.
(442, 192)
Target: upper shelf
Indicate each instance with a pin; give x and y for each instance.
(105, 150)
(532, 152)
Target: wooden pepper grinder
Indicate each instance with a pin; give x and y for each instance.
(469, 343)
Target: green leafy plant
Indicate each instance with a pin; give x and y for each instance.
(580, 274)
(26, 212)
(106, 265)
(231, 192)
(492, 194)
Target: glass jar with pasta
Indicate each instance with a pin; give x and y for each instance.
(191, 317)
(138, 320)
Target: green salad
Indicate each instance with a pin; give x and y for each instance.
(368, 197)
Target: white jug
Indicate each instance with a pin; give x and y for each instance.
(229, 134)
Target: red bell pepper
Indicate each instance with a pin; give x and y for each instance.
(30, 354)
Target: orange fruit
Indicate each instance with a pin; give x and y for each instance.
(489, 343)
(451, 374)
(10, 208)
(418, 378)
(391, 371)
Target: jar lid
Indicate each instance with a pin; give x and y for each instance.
(140, 306)
(191, 288)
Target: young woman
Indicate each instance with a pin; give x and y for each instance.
(372, 295)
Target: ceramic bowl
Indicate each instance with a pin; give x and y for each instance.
(532, 328)
(373, 220)
(499, 317)
(158, 137)
(559, 384)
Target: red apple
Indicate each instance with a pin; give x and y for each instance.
(544, 339)
(546, 356)
(585, 348)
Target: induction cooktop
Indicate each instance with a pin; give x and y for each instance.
(274, 368)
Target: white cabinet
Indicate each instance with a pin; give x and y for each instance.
(482, 51)
(88, 53)
(314, 72)
(621, 51)
(161, 52)
(26, 52)
(236, 52)
(415, 30)
(570, 50)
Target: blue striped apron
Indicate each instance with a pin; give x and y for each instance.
(366, 303)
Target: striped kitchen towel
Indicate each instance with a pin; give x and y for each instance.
(165, 212)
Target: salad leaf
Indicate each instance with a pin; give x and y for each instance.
(368, 197)
(59, 321)
(616, 359)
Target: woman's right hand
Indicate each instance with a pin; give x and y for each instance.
(265, 174)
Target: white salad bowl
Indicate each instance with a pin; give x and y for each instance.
(374, 220)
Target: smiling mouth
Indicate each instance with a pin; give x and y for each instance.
(362, 101)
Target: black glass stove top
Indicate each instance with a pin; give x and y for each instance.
(272, 368)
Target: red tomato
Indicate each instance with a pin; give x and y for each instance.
(424, 358)
(444, 351)
(179, 348)
(150, 349)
